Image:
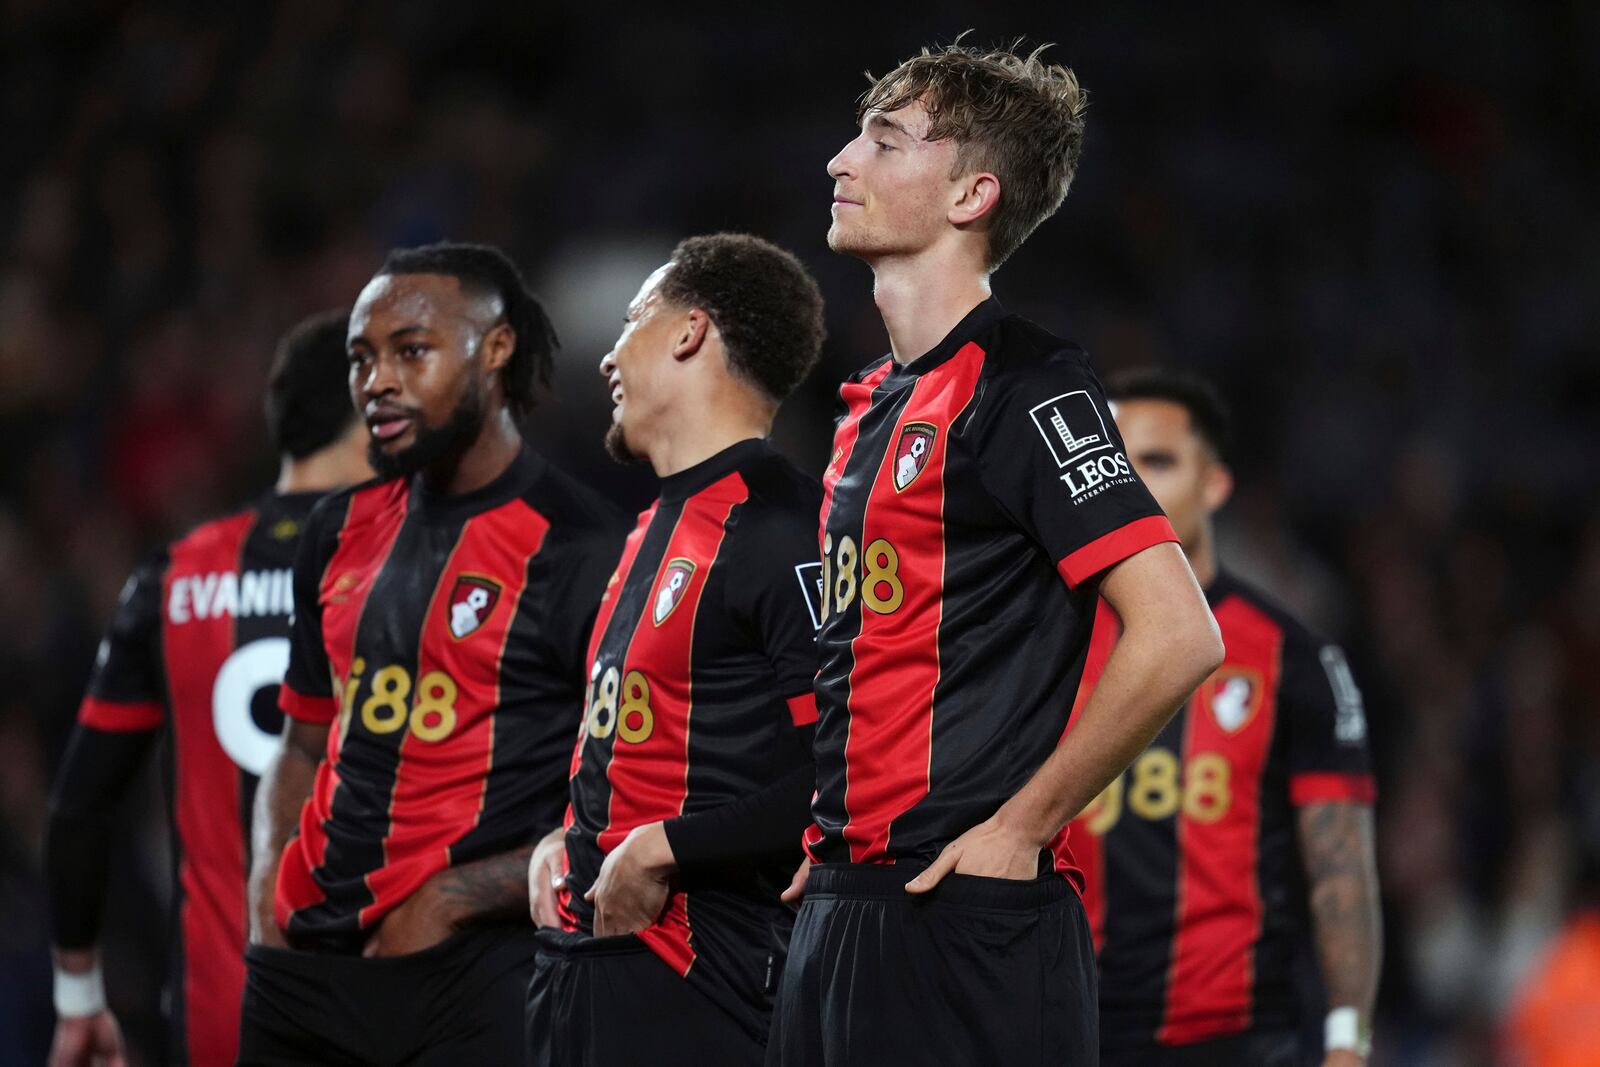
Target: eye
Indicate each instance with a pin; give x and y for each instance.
(413, 350)
(884, 146)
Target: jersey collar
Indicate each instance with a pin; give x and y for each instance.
(976, 322)
(690, 480)
(511, 483)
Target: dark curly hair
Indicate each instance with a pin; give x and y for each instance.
(308, 389)
(484, 270)
(763, 301)
(1208, 412)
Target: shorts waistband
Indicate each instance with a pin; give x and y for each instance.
(875, 881)
(572, 944)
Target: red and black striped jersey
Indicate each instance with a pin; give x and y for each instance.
(1196, 893)
(973, 497)
(443, 638)
(700, 677)
(199, 643)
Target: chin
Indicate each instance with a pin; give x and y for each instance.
(617, 446)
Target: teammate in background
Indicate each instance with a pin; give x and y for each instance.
(198, 644)
(692, 779)
(435, 673)
(941, 924)
(1197, 897)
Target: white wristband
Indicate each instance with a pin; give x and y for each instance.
(1343, 1030)
(80, 995)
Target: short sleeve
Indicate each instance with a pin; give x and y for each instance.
(1326, 727)
(1049, 455)
(307, 691)
(126, 692)
(778, 600)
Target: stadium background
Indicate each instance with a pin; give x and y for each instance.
(1376, 228)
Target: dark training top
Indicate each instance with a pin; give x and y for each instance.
(198, 644)
(442, 637)
(700, 676)
(973, 497)
(1195, 887)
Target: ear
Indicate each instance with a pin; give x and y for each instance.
(691, 335)
(977, 195)
(497, 345)
(1218, 485)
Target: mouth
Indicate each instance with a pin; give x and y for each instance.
(386, 425)
(842, 201)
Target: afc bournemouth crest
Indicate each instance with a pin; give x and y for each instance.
(674, 583)
(1233, 695)
(472, 601)
(911, 453)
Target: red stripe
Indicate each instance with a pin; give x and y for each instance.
(212, 862)
(372, 522)
(318, 711)
(116, 716)
(1219, 908)
(650, 778)
(857, 397)
(1087, 852)
(1114, 547)
(439, 784)
(803, 709)
(889, 749)
(1331, 787)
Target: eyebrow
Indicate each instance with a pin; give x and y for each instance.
(880, 120)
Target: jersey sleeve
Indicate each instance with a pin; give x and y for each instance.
(307, 691)
(1049, 455)
(777, 599)
(126, 692)
(1320, 707)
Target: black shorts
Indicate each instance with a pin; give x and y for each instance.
(458, 1002)
(611, 1002)
(977, 971)
(1271, 1048)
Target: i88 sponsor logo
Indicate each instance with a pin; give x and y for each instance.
(389, 705)
(873, 574)
(1156, 787)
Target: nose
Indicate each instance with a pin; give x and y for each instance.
(839, 166)
(377, 377)
(608, 363)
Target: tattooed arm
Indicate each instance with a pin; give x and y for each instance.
(1336, 846)
(493, 888)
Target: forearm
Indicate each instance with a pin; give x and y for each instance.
(763, 823)
(495, 887)
(280, 797)
(1336, 843)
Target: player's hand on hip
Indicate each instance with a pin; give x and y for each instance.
(988, 850)
(797, 884)
(632, 888)
(88, 1041)
(421, 921)
(546, 876)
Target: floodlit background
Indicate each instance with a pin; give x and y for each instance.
(1376, 228)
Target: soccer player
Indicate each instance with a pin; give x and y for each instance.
(1246, 828)
(692, 779)
(434, 679)
(197, 646)
(977, 501)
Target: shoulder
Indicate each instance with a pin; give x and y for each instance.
(1020, 351)
(213, 534)
(778, 486)
(572, 508)
(874, 370)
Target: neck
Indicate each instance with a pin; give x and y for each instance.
(340, 464)
(921, 298)
(1201, 551)
(705, 430)
(496, 446)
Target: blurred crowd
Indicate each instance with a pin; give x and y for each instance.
(1374, 227)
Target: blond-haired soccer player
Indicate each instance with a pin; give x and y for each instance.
(977, 500)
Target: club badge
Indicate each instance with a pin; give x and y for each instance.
(1233, 695)
(472, 601)
(674, 583)
(912, 451)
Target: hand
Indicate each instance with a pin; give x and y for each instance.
(88, 1041)
(421, 921)
(1344, 1057)
(546, 877)
(797, 884)
(990, 850)
(632, 887)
